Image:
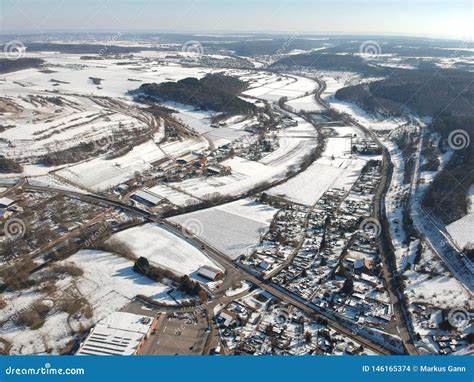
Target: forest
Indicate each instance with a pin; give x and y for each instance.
(215, 92)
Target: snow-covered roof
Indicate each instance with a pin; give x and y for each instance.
(118, 334)
(208, 272)
(6, 201)
(149, 196)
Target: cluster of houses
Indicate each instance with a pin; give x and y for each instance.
(206, 162)
(325, 256)
(365, 146)
(432, 325)
(286, 230)
(196, 164)
(8, 207)
(261, 147)
(258, 324)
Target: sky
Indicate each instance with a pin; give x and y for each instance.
(433, 18)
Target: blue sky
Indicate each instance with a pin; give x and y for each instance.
(438, 18)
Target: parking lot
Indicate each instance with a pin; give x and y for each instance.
(178, 334)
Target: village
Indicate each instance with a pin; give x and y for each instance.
(169, 227)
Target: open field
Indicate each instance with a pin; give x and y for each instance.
(164, 249)
(233, 228)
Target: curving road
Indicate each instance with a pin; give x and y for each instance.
(236, 273)
(233, 272)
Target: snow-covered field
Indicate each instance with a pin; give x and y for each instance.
(200, 121)
(73, 74)
(100, 174)
(109, 281)
(442, 291)
(307, 103)
(291, 87)
(87, 116)
(107, 285)
(462, 230)
(164, 249)
(308, 187)
(232, 228)
(335, 169)
(369, 121)
(43, 124)
(295, 143)
(337, 80)
(174, 195)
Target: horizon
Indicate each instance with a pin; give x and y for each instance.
(441, 19)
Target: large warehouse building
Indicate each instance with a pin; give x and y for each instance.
(118, 334)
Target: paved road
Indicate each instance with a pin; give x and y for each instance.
(404, 325)
(11, 188)
(437, 237)
(240, 272)
(402, 318)
(233, 272)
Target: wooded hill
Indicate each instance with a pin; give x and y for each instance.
(323, 61)
(8, 66)
(448, 195)
(213, 92)
(426, 92)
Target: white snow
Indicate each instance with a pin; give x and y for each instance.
(291, 87)
(442, 291)
(108, 284)
(307, 103)
(164, 249)
(109, 281)
(462, 230)
(233, 228)
(100, 174)
(335, 169)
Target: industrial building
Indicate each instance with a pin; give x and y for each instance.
(120, 333)
(147, 198)
(209, 273)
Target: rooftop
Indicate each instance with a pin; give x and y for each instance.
(118, 334)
